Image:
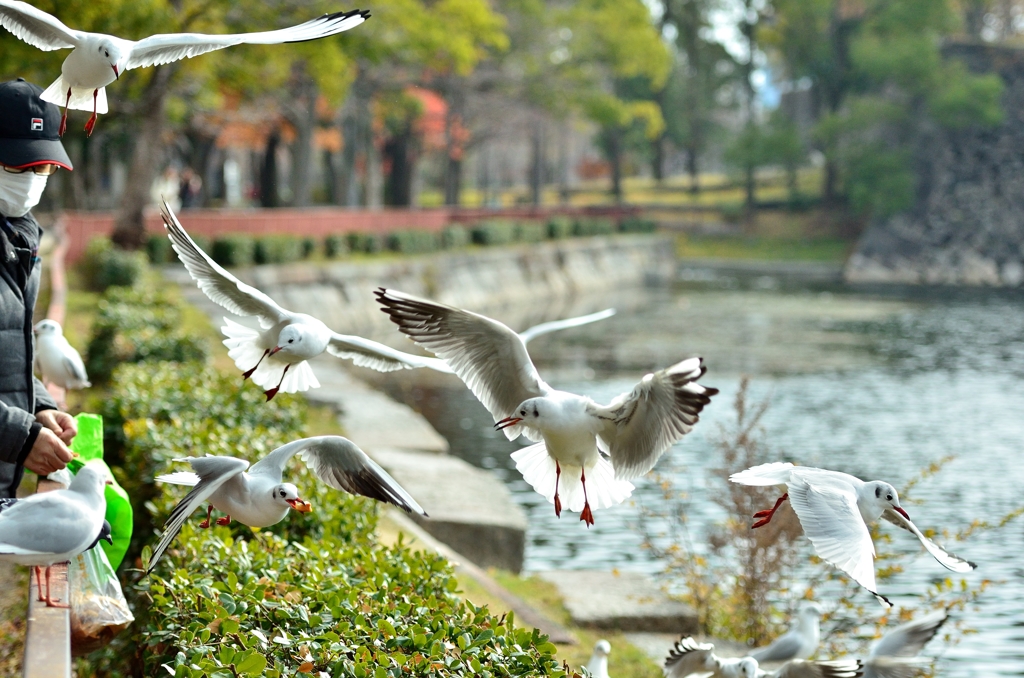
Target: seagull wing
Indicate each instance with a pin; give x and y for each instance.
(690, 658)
(489, 357)
(219, 285)
(799, 668)
(660, 410)
(36, 27)
(213, 472)
(377, 356)
(945, 558)
(73, 362)
(830, 518)
(785, 647)
(908, 640)
(555, 325)
(167, 47)
(48, 523)
(339, 463)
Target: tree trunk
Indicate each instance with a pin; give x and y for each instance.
(692, 168)
(399, 150)
(453, 181)
(301, 113)
(130, 226)
(658, 162)
(615, 156)
(454, 138)
(268, 172)
(536, 163)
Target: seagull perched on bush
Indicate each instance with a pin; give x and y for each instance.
(258, 498)
(96, 59)
(690, 658)
(279, 353)
(834, 510)
(57, 360)
(573, 433)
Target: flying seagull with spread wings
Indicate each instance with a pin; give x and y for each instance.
(256, 497)
(573, 433)
(97, 59)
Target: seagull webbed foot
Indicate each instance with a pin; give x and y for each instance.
(766, 516)
(226, 520)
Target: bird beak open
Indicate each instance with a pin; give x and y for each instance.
(506, 422)
(300, 505)
(117, 74)
(274, 350)
(901, 512)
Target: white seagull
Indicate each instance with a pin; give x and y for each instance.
(571, 431)
(598, 664)
(799, 642)
(834, 510)
(288, 339)
(49, 528)
(57, 361)
(96, 59)
(690, 658)
(258, 498)
(896, 654)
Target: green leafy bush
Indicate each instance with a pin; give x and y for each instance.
(105, 265)
(638, 225)
(494, 233)
(233, 250)
(138, 325)
(413, 241)
(335, 246)
(277, 249)
(531, 231)
(455, 236)
(364, 243)
(559, 227)
(158, 249)
(593, 226)
(308, 247)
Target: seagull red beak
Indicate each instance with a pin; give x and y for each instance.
(275, 350)
(506, 422)
(117, 75)
(300, 505)
(901, 512)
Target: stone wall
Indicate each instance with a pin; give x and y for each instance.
(967, 227)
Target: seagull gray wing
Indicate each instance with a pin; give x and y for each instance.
(946, 559)
(799, 668)
(690, 658)
(489, 357)
(219, 285)
(783, 649)
(49, 523)
(831, 519)
(896, 654)
(167, 47)
(556, 325)
(338, 462)
(213, 472)
(377, 356)
(660, 410)
(36, 27)
(73, 364)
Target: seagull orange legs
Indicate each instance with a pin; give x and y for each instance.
(226, 520)
(248, 373)
(766, 516)
(91, 122)
(273, 392)
(64, 118)
(558, 502)
(39, 588)
(587, 516)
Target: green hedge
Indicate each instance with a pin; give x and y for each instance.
(335, 246)
(234, 250)
(559, 227)
(531, 231)
(490, 233)
(364, 243)
(455, 236)
(593, 226)
(159, 251)
(105, 265)
(132, 326)
(638, 225)
(413, 241)
(277, 249)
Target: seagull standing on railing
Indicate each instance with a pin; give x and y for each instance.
(98, 59)
(57, 360)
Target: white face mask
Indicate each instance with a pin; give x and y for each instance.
(20, 192)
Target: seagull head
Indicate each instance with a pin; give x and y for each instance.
(531, 411)
(297, 341)
(288, 494)
(109, 51)
(602, 648)
(44, 327)
(748, 667)
(884, 496)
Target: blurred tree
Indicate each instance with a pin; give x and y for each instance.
(879, 78)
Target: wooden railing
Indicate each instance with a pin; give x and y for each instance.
(48, 632)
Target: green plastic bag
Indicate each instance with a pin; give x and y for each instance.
(88, 445)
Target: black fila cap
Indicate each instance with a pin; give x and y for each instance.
(28, 127)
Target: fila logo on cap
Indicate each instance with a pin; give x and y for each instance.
(37, 125)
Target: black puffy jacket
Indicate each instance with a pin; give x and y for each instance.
(21, 394)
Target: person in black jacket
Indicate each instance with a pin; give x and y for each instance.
(34, 434)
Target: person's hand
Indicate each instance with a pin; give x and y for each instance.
(61, 423)
(48, 454)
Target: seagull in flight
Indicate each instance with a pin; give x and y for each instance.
(896, 655)
(834, 510)
(690, 658)
(800, 641)
(288, 339)
(572, 432)
(97, 59)
(258, 498)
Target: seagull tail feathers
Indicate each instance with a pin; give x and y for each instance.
(179, 478)
(774, 473)
(539, 470)
(81, 99)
